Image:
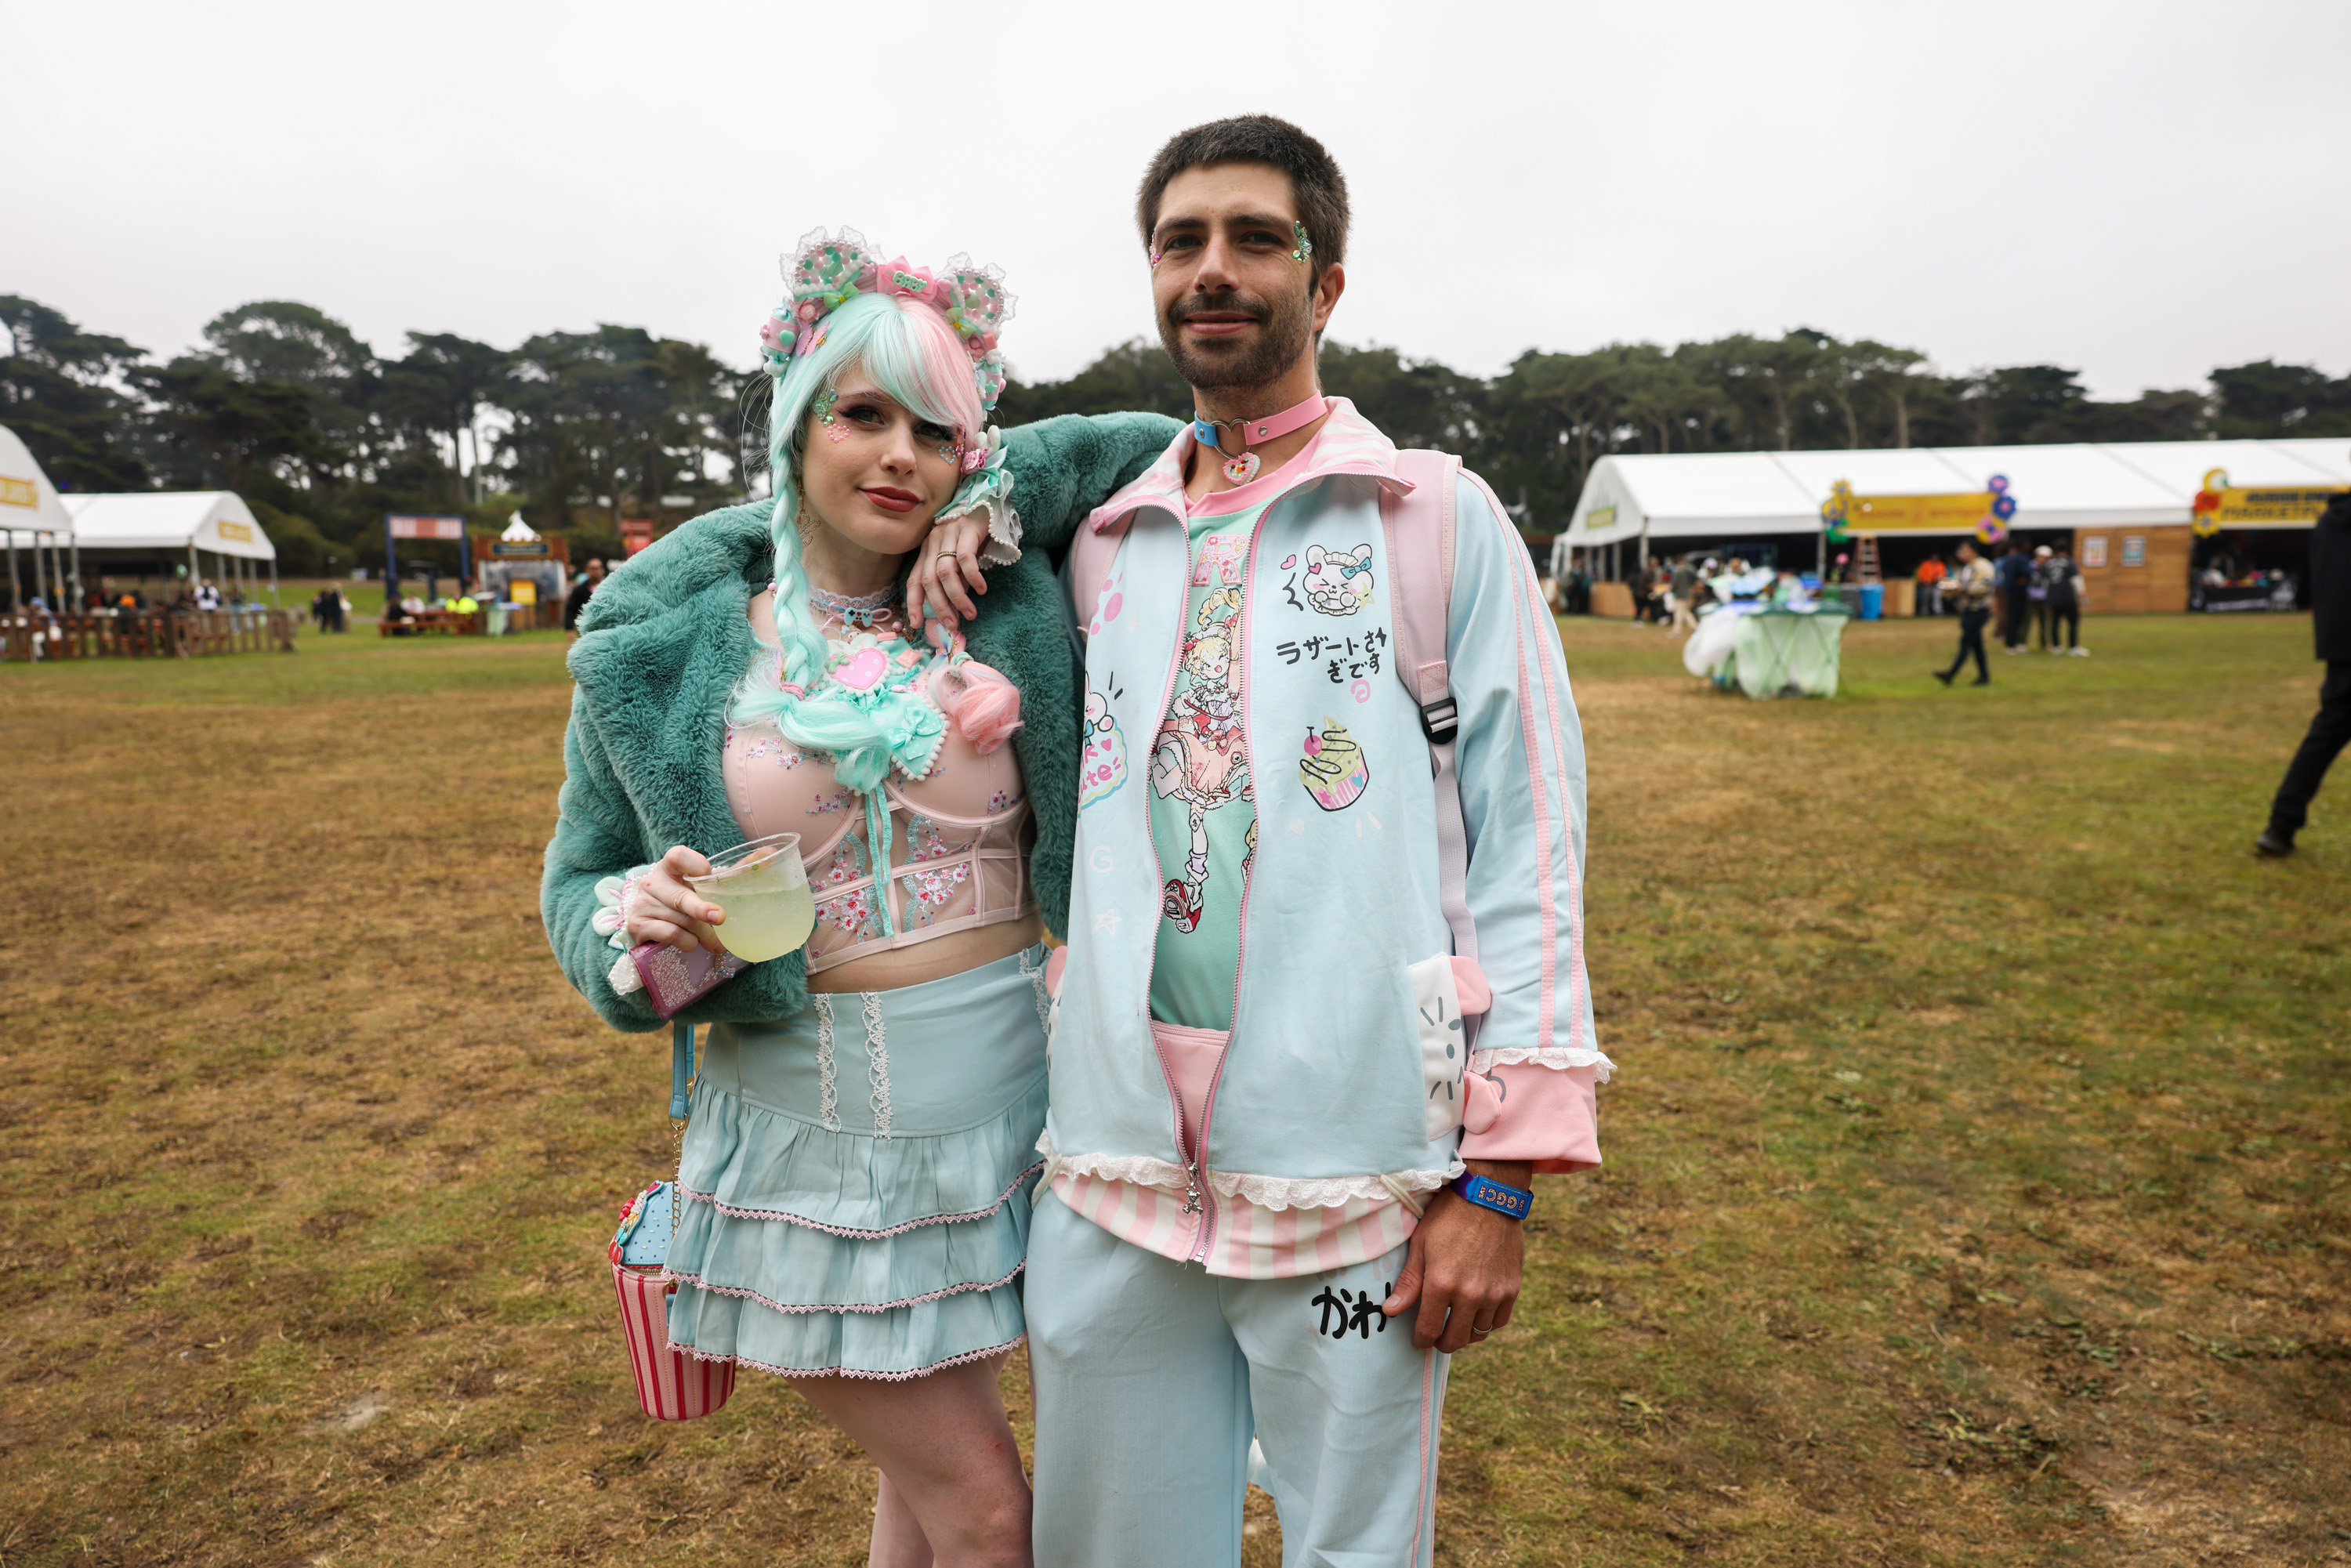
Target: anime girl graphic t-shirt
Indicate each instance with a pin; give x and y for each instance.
(1203, 810)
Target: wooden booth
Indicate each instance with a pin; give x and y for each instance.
(2135, 571)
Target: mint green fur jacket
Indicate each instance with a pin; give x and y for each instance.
(667, 637)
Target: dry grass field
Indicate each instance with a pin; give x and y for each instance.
(1977, 1187)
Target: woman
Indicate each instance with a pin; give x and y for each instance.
(856, 1166)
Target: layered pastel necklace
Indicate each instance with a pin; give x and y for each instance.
(1238, 435)
(862, 611)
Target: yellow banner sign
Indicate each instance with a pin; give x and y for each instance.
(2270, 506)
(2220, 504)
(237, 531)
(1955, 514)
(19, 492)
(1599, 517)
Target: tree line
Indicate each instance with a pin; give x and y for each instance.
(1536, 430)
(284, 405)
(322, 436)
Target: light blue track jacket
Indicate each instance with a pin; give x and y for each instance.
(1323, 1091)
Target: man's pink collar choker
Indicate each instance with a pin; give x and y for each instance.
(1242, 465)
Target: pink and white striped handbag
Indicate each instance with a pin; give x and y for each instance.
(670, 1385)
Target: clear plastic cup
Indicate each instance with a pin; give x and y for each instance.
(763, 889)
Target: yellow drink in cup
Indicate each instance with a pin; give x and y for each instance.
(763, 888)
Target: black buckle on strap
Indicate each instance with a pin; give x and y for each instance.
(1441, 720)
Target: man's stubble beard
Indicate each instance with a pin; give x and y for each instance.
(1287, 323)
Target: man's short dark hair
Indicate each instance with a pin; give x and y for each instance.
(1315, 183)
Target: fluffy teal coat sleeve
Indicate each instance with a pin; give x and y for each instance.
(666, 638)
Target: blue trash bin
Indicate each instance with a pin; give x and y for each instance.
(1873, 600)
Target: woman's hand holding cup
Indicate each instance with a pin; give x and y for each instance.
(663, 908)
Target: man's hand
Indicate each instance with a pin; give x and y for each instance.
(1463, 1266)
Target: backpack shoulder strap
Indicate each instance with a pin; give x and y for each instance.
(1418, 530)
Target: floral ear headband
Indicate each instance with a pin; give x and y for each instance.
(826, 272)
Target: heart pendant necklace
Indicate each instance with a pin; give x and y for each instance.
(1243, 467)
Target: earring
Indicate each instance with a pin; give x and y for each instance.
(805, 522)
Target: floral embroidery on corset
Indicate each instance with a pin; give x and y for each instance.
(832, 800)
(1003, 800)
(785, 754)
(926, 890)
(853, 914)
(925, 841)
(847, 864)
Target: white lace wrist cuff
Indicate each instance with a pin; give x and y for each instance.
(624, 977)
(611, 920)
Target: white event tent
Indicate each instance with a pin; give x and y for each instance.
(1724, 496)
(34, 518)
(163, 523)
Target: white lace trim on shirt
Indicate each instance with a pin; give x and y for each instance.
(1557, 1056)
(1263, 1191)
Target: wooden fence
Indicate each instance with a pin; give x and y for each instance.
(146, 633)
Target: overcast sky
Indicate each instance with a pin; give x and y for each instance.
(2141, 190)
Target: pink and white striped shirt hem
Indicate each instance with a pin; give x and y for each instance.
(1251, 1242)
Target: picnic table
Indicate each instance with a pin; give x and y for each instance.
(450, 623)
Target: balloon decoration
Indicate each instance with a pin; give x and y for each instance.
(1992, 526)
(1836, 511)
(2204, 512)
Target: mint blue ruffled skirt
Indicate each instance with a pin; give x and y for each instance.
(856, 1179)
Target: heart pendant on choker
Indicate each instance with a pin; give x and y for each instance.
(1242, 469)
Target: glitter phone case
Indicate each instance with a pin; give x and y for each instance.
(674, 978)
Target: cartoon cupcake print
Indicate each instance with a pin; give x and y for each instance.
(1334, 770)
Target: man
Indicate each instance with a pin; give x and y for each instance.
(2330, 627)
(2062, 610)
(1247, 1223)
(1930, 586)
(1684, 596)
(1970, 587)
(577, 600)
(2038, 579)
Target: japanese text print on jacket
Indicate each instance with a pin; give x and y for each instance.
(1322, 1092)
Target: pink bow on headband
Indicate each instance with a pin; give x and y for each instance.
(899, 277)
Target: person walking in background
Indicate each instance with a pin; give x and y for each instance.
(2062, 580)
(1684, 595)
(2330, 629)
(1930, 586)
(581, 591)
(1971, 590)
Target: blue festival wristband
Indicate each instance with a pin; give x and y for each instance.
(1486, 1193)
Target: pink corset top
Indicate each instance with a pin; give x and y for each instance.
(959, 834)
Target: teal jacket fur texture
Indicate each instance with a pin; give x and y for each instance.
(666, 639)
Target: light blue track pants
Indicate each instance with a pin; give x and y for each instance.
(1151, 1375)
